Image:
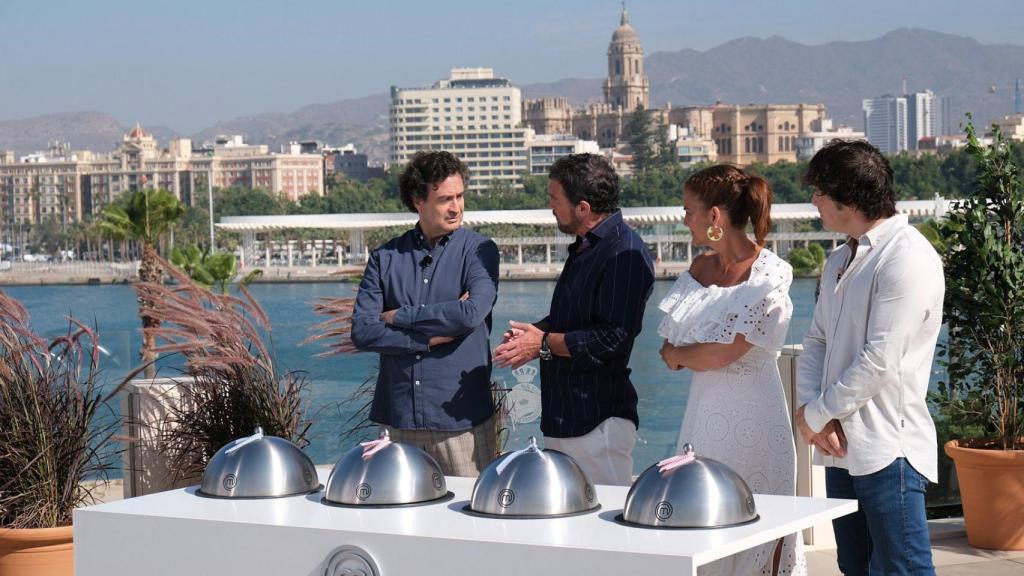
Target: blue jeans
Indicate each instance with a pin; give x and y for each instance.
(889, 532)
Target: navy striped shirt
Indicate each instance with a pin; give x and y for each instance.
(599, 305)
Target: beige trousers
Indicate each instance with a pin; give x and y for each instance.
(605, 453)
(459, 452)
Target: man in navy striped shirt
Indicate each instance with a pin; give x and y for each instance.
(588, 404)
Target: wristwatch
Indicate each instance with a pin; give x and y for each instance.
(545, 350)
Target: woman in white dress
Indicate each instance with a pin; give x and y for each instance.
(726, 320)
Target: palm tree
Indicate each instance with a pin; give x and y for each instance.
(210, 270)
(144, 216)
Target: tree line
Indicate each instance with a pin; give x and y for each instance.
(657, 181)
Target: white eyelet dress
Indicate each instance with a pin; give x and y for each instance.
(738, 414)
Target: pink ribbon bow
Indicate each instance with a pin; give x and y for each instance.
(373, 446)
(669, 464)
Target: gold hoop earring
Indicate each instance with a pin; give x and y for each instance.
(715, 233)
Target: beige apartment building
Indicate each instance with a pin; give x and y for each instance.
(75, 184)
(473, 114)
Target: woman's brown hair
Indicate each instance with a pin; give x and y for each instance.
(746, 198)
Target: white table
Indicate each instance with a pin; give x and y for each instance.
(179, 533)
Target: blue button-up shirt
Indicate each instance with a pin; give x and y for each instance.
(599, 305)
(444, 387)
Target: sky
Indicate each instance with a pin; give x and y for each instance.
(188, 64)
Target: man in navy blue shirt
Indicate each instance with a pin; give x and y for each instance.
(588, 404)
(424, 305)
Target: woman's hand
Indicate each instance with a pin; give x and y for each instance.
(668, 354)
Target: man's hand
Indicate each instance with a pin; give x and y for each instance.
(521, 343)
(438, 340)
(510, 334)
(831, 440)
(668, 357)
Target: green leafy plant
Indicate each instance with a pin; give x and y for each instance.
(932, 232)
(807, 261)
(53, 436)
(210, 270)
(984, 305)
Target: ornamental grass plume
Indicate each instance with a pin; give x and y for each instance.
(231, 382)
(335, 333)
(54, 439)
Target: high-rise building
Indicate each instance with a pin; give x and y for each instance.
(885, 123)
(921, 119)
(473, 114)
(1018, 97)
(944, 124)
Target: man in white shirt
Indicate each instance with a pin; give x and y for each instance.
(863, 376)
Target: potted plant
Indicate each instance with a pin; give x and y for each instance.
(984, 308)
(54, 440)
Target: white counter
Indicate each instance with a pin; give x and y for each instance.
(179, 533)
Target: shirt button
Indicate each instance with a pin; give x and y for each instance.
(417, 356)
(417, 382)
(426, 280)
(423, 305)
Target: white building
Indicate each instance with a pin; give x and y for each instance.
(922, 120)
(885, 123)
(472, 114)
(822, 132)
(1011, 127)
(544, 149)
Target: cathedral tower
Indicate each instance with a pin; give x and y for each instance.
(627, 84)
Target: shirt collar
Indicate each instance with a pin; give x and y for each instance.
(603, 228)
(883, 232)
(421, 239)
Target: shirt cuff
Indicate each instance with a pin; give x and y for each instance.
(578, 354)
(403, 317)
(419, 342)
(815, 416)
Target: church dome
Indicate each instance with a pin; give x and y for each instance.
(624, 33)
(137, 132)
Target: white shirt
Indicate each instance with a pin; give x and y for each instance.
(868, 354)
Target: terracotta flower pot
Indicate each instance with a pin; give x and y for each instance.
(992, 492)
(37, 551)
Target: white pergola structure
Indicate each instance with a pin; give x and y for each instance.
(662, 220)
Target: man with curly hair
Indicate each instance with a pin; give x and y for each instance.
(863, 376)
(588, 403)
(424, 305)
